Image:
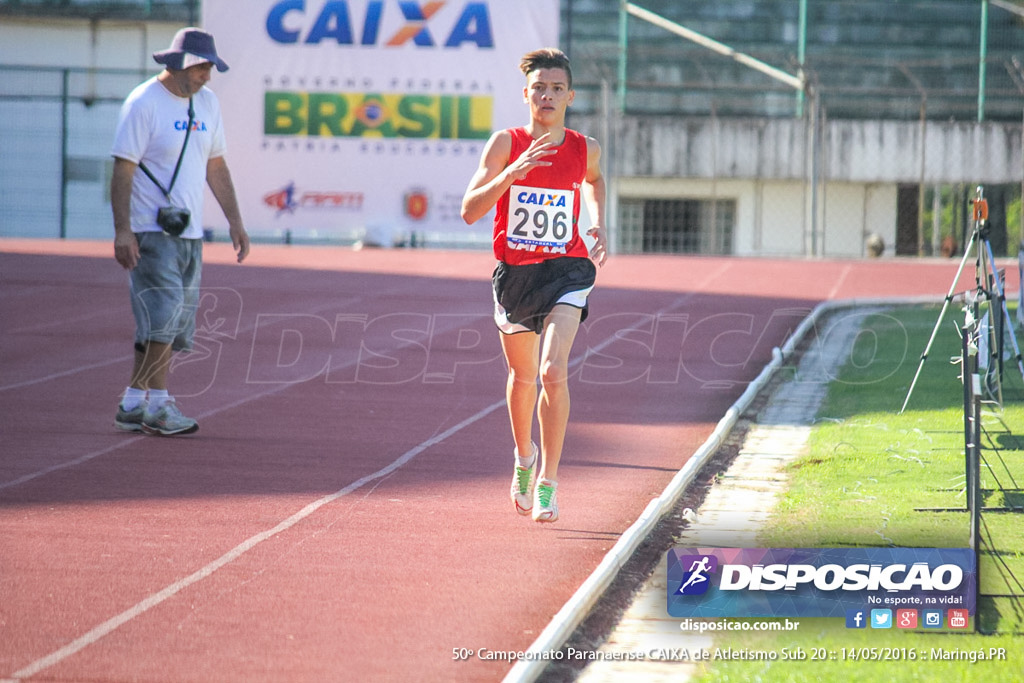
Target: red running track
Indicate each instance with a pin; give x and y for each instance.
(342, 513)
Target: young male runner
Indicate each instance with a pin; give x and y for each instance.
(535, 175)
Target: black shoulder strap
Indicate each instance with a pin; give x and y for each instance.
(181, 155)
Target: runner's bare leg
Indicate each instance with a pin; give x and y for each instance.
(522, 351)
(560, 329)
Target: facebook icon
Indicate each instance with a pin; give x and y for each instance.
(856, 618)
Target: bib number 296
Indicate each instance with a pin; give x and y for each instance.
(537, 223)
(540, 218)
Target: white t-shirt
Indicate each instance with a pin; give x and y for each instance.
(151, 130)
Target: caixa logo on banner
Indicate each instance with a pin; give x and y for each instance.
(391, 24)
(817, 582)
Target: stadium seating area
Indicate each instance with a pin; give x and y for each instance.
(875, 59)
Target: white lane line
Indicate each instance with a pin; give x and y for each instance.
(112, 624)
(95, 454)
(155, 599)
(70, 463)
(127, 358)
(65, 373)
(834, 292)
(130, 440)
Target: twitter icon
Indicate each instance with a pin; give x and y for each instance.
(881, 618)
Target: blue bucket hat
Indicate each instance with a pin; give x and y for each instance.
(190, 41)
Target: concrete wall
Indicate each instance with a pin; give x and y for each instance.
(771, 215)
(82, 43)
(860, 151)
(765, 166)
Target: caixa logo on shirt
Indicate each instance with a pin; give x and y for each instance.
(197, 126)
(543, 198)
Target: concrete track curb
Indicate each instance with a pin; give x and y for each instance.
(563, 624)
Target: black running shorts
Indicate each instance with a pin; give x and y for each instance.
(525, 295)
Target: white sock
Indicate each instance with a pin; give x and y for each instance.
(132, 398)
(526, 462)
(158, 397)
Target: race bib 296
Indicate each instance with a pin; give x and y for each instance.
(539, 219)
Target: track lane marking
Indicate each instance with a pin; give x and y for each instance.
(112, 624)
(100, 631)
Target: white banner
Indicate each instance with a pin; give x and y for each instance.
(366, 115)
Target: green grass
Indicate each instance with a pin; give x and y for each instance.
(868, 480)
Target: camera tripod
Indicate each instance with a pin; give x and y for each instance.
(986, 279)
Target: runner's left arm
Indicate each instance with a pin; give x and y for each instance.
(594, 196)
(495, 175)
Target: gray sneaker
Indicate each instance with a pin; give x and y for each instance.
(130, 420)
(167, 420)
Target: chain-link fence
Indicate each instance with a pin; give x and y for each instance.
(55, 166)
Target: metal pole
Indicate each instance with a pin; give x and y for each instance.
(801, 55)
(920, 184)
(983, 54)
(568, 29)
(1016, 74)
(808, 189)
(713, 231)
(972, 443)
(64, 90)
(975, 493)
(815, 171)
(967, 367)
(923, 124)
(623, 49)
(611, 135)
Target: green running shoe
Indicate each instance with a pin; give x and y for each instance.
(545, 504)
(522, 485)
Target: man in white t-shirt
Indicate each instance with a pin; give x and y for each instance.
(169, 143)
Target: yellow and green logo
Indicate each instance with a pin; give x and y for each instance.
(388, 115)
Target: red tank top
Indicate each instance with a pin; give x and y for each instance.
(538, 217)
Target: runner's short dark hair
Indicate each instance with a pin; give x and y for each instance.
(546, 58)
